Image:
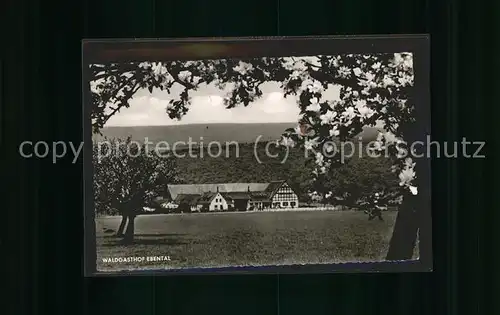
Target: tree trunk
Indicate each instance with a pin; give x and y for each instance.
(404, 235)
(129, 233)
(121, 228)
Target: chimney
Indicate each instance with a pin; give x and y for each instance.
(248, 188)
(217, 188)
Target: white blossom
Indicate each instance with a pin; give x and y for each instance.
(409, 163)
(316, 87)
(315, 196)
(349, 113)
(314, 105)
(95, 86)
(144, 65)
(158, 69)
(364, 111)
(287, 142)
(329, 147)
(328, 117)
(357, 71)
(387, 81)
(196, 80)
(344, 72)
(184, 75)
(310, 144)
(243, 68)
(334, 131)
(413, 190)
(406, 176)
(298, 130)
(320, 158)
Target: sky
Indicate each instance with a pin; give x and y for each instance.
(149, 109)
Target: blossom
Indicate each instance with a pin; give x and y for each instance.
(387, 81)
(409, 163)
(401, 152)
(390, 137)
(329, 147)
(320, 158)
(398, 59)
(95, 86)
(295, 74)
(314, 105)
(315, 196)
(243, 68)
(334, 62)
(196, 79)
(184, 75)
(357, 71)
(158, 69)
(316, 87)
(369, 76)
(364, 111)
(349, 113)
(344, 72)
(299, 130)
(376, 65)
(376, 145)
(413, 190)
(310, 144)
(406, 176)
(287, 142)
(328, 117)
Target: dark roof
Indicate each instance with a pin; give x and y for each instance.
(191, 199)
(199, 189)
(234, 191)
(207, 197)
(273, 187)
(237, 195)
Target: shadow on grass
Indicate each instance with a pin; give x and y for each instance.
(147, 235)
(145, 239)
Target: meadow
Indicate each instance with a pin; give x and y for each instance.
(255, 238)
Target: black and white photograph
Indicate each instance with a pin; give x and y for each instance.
(200, 155)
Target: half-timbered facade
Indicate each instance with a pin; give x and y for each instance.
(285, 197)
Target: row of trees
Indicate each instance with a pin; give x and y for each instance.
(374, 89)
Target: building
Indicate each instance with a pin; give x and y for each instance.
(234, 196)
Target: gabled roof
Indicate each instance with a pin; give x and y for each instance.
(236, 195)
(273, 187)
(234, 191)
(190, 199)
(207, 197)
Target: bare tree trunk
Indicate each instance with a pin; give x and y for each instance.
(129, 233)
(404, 235)
(412, 213)
(121, 228)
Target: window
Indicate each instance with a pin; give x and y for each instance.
(293, 203)
(215, 207)
(285, 203)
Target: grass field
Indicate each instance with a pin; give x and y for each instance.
(235, 239)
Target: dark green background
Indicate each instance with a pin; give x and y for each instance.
(42, 216)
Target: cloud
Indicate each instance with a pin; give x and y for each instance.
(207, 106)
